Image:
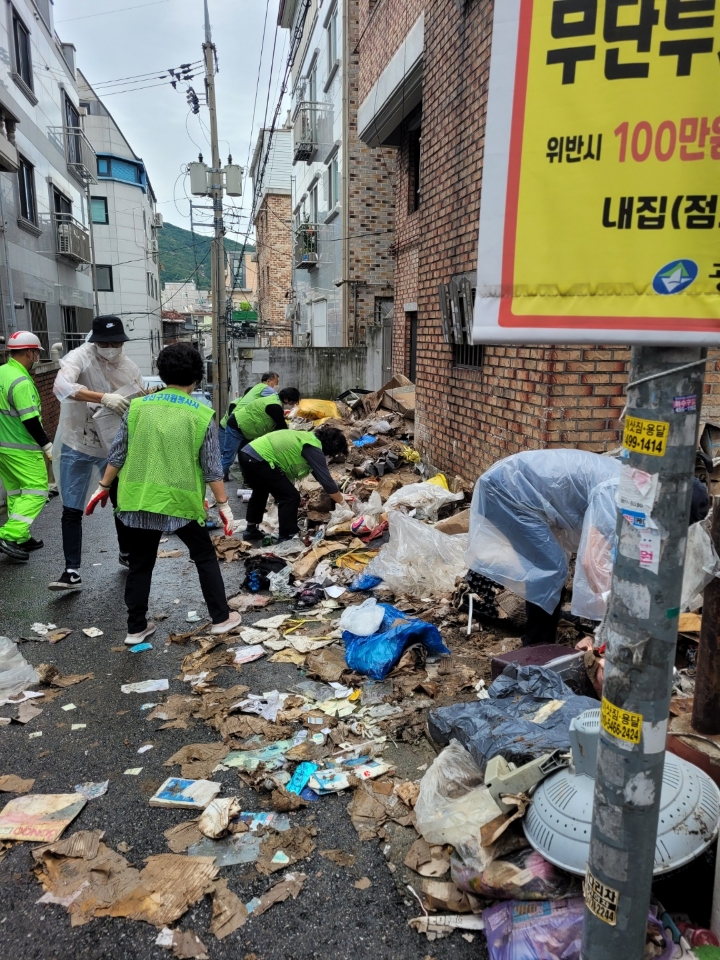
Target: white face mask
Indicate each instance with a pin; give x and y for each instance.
(108, 353)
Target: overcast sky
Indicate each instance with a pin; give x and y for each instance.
(114, 41)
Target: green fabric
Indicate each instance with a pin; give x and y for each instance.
(252, 394)
(223, 422)
(253, 420)
(24, 476)
(283, 449)
(19, 400)
(162, 472)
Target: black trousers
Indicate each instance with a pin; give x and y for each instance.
(71, 526)
(541, 626)
(264, 480)
(143, 547)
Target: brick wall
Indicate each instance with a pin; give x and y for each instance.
(274, 266)
(44, 379)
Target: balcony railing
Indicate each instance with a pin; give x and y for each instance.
(79, 154)
(72, 240)
(306, 253)
(312, 127)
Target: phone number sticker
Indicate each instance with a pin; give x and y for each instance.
(601, 899)
(646, 436)
(619, 723)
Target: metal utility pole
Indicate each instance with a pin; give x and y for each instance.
(663, 408)
(217, 255)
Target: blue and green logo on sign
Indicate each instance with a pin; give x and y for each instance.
(675, 277)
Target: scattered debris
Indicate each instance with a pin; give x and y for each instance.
(9, 783)
(189, 794)
(145, 686)
(39, 817)
(91, 791)
(92, 632)
(363, 883)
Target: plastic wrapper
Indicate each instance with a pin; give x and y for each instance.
(280, 586)
(527, 516)
(518, 875)
(527, 713)
(377, 654)
(593, 569)
(363, 619)
(453, 804)
(16, 674)
(341, 514)
(701, 565)
(424, 498)
(419, 560)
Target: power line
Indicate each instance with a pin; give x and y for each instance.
(184, 67)
(106, 13)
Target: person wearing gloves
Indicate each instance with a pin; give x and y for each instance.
(531, 511)
(164, 453)
(94, 386)
(23, 442)
(235, 438)
(271, 465)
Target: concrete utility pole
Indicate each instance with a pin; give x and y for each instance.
(217, 255)
(663, 409)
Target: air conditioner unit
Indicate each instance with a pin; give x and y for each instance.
(159, 221)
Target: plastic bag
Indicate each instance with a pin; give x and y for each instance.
(518, 875)
(527, 515)
(542, 931)
(317, 409)
(424, 498)
(527, 713)
(363, 619)
(280, 586)
(593, 569)
(453, 803)
(419, 560)
(341, 514)
(16, 674)
(380, 426)
(439, 480)
(377, 654)
(701, 565)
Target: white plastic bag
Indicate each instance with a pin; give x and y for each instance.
(280, 586)
(418, 559)
(340, 515)
(16, 674)
(701, 565)
(363, 619)
(453, 803)
(424, 498)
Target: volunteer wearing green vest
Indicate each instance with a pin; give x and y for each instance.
(234, 439)
(165, 452)
(23, 442)
(271, 465)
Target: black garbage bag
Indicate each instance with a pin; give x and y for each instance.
(258, 570)
(528, 713)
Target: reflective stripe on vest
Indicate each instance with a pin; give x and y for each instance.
(162, 472)
(283, 449)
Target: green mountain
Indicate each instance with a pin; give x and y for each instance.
(181, 252)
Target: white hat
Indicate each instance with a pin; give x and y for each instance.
(24, 340)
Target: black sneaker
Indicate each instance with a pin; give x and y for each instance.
(68, 581)
(14, 551)
(32, 544)
(124, 560)
(252, 533)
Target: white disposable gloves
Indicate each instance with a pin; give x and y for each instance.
(226, 515)
(116, 403)
(47, 450)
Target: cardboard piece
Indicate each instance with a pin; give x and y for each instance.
(289, 886)
(363, 883)
(294, 844)
(400, 399)
(183, 835)
(186, 945)
(339, 857)
(187, 794)
(39, 817)
(458, 523)
(326, 664)
(197, 760)
(229, 912)
(12, 784)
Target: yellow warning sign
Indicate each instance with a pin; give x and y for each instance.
(646, 436)
(621, 723)
(601, 899)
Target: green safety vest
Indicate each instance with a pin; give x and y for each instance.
(252, 394)
(283, 449)
(253, 420)
(162, 472)
(19, 400)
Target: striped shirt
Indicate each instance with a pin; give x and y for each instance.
(211, 471)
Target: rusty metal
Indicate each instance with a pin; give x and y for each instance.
(706, 705)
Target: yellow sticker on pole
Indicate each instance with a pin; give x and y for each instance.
(619, 723)
(646, 436)
(601, 899)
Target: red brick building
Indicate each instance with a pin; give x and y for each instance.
(423, 80)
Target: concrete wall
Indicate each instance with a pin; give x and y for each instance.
(319, 372)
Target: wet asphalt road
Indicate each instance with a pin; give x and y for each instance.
(329, 919)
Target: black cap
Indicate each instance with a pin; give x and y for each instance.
(108, 330)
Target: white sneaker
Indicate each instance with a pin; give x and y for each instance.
(132, 638)
(234, 620)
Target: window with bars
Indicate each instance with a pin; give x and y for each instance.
(468, 355)
(38, 323)
(77, 323)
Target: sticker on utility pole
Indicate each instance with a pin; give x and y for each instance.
(637, 490)
(646, 436)
(621, 724)
(601, 899)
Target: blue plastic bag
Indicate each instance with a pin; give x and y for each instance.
(364, 581)
(377, 654)
(365, 440)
